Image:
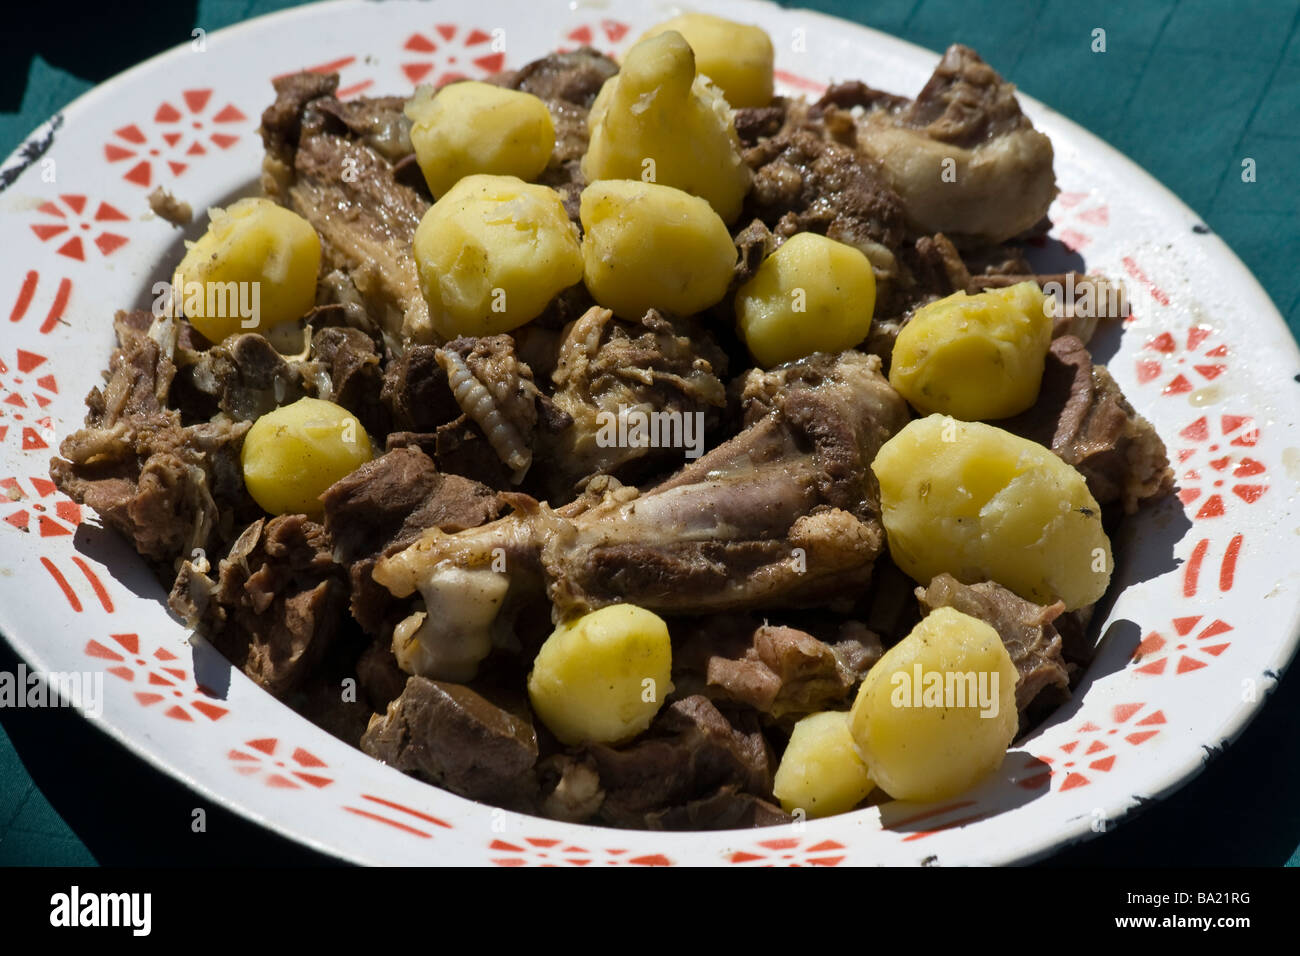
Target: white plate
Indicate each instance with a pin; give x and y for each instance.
(1211, 575)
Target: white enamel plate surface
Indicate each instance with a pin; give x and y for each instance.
(1198, 636)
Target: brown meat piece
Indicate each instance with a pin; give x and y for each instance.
(416, 392)
(1085, 419)
(276, 603)
(244, 377)
(1025, 628)
(724, 809)
(168, 207)
(689, 752)
(382, 507)
(355, 372)
(456, 738)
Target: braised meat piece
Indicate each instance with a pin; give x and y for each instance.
(1082, 415)
(344, 183)
(456, 738)
(689, 753)
(276, 603)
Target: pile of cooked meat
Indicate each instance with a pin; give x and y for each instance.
(766, 555)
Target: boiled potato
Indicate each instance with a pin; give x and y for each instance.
(736, 56)
(603, 677)
(473, 127)
(656, 121)
(253, 252)
(975, 356)
(812, 295)
(291, 455)
(492, 252)
(984, 504)
(651, 246)
(937, 713)
(820, 771)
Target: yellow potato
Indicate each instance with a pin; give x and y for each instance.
(656, 121)
(603, 677)
(473, 127)
(821, 772)
(812, 295)
(937, 713)
(254, 253)
(291, 455)
(492, 252)
(650, 246)
(983, 504)
(974, 356)
(735, 56)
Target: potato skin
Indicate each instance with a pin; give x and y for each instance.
(736, 56)
(983, 504)
(251, 241)
(812, 295)
(292, 454)
(472, 127)
(919, 749)
(974, 357)
(656, 121)
(492, 252)
(588, 680)
(820, 771)
(651, 246)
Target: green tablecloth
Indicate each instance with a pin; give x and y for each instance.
(1187, 88)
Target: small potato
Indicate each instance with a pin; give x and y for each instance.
(650, 246)
(492, 252)
(473, 127)
(656, 121)
(603, 677)
(254, 252)
(937, 713)
(983, 504)
(735, 56)
(812, 295)
(974, 356)
(291, 455)
(821, 772)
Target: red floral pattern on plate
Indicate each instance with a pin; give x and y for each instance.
(1158, 651)
(36, 505)
(1093, 748)
(1170, 354)
(791, 851)
(605, 35)
(1073, 213)
(265, 756)
(449, 52)
(174, 137)
(412, 821)
(27, 387)
(1215, 470)
(546, 851)
(157, 674)
(72, 216)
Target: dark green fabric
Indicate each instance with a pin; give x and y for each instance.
(1187, 88)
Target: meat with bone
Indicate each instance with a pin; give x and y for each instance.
(344, 184)
(964, 158)
(1025, 628)
(784, 514)
(1082, 415)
